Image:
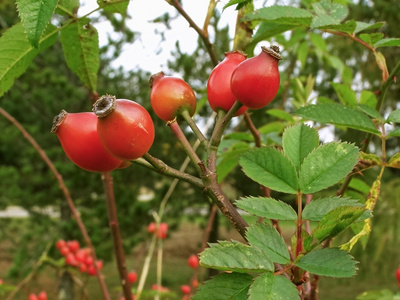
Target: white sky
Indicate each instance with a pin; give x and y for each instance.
(149, 52)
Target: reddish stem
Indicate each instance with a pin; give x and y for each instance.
(115, 233)
(66, 193)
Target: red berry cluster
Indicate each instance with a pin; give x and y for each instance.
(41, 296)
(77, 257)
(161, 231)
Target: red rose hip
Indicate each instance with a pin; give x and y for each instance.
(255, 81)
(170, 96)
(125, 128)
(219, 92)
(77, 133)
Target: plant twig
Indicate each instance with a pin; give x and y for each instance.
(66, 193)
(203, 140)
(115, 233)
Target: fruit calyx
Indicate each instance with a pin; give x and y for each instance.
(273, 51)
(236, 52)
(104, 106)
(57, 121)
(154, 77)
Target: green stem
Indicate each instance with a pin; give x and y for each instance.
(299, 243)
(185, 143)
(203, 140)
(161, 167)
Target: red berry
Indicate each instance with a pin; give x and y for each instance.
(132, 277)
(77, 133)
(73, 246)
(255, 82)
(193, 261)
(82, 268)
(91, 270)
(185, 289)
(64, 250)
(99, 264)
(60, 244)
(170, 96)
(33, 297)
(125, 127)
(162, 230)
(88, 260)
(42, 296)
(152, 227)
(71, 260)
(1, 281)
(81, 254)
(219, 91)
(398, 275)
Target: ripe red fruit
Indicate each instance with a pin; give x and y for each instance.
(60, 244)
(73, 246)
(193, 261)
(255, 81)
(170, 96)
(71, 260)
(77, 133)
(64, 250)
(33, 297)
(82, 268)
(219, 91)
(152, 227)
(42, 296)
(88, 260)
(185, 289)
(132, 277)
(125, 127)
(81, 254)
(162, 230)
(398, 275)
(99, 264)
(91, 270)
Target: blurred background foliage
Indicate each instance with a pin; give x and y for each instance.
(311, 59)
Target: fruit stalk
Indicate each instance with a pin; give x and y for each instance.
(115, 233)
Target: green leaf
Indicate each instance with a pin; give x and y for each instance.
(339, 115)
(318, 41)
(69, 7)
(330, 262)
(395, 132)
(80, 44)
(281, 114)
(298, 141)
(16, 53)
(271, 168)
(394, 161)
(266, 238)
(346, 95)
(371, 38)
(368, 98)
(361, 26)
(35, 16)
(272, 127)
(394, 117)
(236, 257)
(267, 208)
(268, 29)
(317, 209)
(239, 136)
(336, 221)
(268, 286)
(328, 13)
(229, 153)
(359, 185)
(387, 42)
(302, 53)
(226, 286)
(114, 6)
(347, 27)
(326, 165)
(372, 112)
(281, 15)
(336, 10)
